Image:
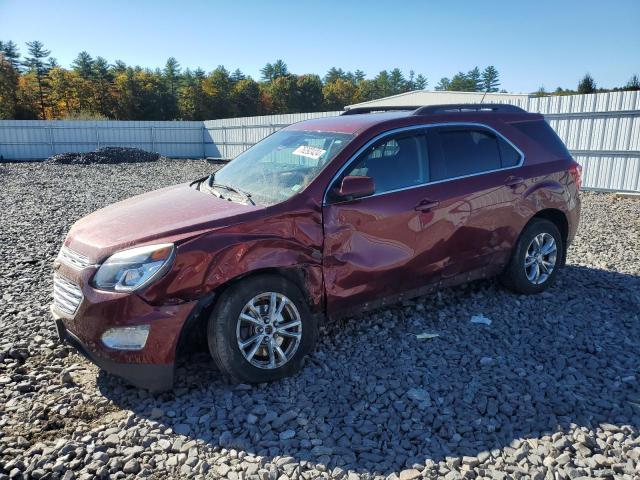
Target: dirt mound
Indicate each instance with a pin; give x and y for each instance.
(106, 155)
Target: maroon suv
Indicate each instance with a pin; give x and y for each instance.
(322, 219)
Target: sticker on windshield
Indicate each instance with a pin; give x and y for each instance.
(309, 152)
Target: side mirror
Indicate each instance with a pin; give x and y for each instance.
(356, 186)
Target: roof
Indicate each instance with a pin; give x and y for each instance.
(429, 97)
(347, 123)
(361, 119)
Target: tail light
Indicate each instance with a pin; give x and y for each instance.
(576, 172)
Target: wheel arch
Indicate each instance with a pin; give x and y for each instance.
(300, 275)
(559, 219)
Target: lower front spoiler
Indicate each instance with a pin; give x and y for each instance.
(156, 378)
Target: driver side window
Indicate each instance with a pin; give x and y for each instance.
(394, 163)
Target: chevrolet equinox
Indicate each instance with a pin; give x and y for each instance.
(320, 220)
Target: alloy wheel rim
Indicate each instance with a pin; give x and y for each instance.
(540, 259)
(269, 330)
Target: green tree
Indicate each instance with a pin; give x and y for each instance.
(276, 70)
(119, 67)
(309, 96)
(217, 88)
(397, 82)
(490, 79)
(83, 65)
(103, 78)
(420, 82)
(474, 81)
(237, 75)
(541, 92)
(36, 64)
(11, 54)
(334, 74)
(382, 85)
(191, 96)
(587, 85)
(170, 84)
(282, 92)
(443, 84)
(460, 83)
(245, 97)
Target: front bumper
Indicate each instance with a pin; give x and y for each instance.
(156, 378)
(150, 367)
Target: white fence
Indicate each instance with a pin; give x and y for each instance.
(602, 131)
(39, 139)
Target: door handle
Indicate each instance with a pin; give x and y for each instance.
(426, 205)
(514, 182)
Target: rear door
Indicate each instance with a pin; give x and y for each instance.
(474, 177)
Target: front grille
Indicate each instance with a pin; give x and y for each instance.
(67, 296)
(73, 258)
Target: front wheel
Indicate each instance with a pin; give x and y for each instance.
(536, 258)
(261, 329)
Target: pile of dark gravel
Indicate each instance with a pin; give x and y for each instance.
(106, 155)
(549, 390)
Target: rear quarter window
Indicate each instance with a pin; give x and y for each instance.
(541, 132)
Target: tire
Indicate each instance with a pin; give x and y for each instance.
(226, 329)
(521, 278)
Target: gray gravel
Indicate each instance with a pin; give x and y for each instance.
(550, 389)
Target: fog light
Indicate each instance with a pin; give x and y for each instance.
(126, 338)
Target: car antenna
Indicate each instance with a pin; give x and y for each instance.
(485, 94)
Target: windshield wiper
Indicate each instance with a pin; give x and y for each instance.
(247, 195)
(211, 184)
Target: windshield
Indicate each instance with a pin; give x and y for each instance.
(281, 165)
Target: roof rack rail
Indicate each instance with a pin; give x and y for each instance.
(359, 110)
(468, 107)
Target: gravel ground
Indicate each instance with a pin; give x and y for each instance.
(548, 390)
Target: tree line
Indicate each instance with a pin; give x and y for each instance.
(37, 87)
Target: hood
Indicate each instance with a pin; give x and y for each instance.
(168, 214)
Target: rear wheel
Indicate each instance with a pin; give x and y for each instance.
(536, 258)
(261, 329)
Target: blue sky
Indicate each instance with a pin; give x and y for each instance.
(533, 43)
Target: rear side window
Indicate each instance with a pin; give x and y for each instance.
(541, 132)
(393, 163)
(459, 152)
(509, 156)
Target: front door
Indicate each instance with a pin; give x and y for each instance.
(374, 246)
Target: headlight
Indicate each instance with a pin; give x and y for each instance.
(135, 268)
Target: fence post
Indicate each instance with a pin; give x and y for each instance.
(224, 142)
(97, 137)
(53, 152)
(204, 140)
(244, 137)
(153, 139)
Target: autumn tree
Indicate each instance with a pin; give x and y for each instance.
(8, 88)
(245, 97)
(339, 93)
